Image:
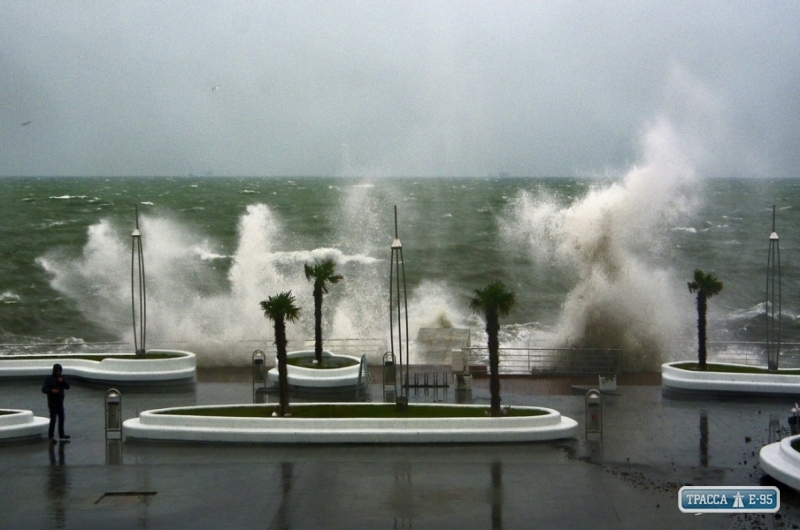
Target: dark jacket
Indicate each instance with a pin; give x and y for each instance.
(53, 399)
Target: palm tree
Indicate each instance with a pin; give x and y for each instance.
(323, 272)
(279, 309)
(706, 286)
(493, 301)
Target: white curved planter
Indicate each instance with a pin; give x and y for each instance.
(315, 378)
(21, 424)
(127, 369)
(782, 462)
(151, 425)
(680, 380)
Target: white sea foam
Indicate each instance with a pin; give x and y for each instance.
(747, 313)
(9, 297)
(318, 254)
(759, 311)
(207, 254)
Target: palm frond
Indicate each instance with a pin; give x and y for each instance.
(281, 306)
(708, 284)
(494, 298)
(324, 273)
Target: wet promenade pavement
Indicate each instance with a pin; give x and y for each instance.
(651, 446)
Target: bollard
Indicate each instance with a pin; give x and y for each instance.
(259, 367)
(113, 412)
(259, 377)
(594, 412)
(389, 375)
(389, 378)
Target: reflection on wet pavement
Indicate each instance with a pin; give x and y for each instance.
(57, 485)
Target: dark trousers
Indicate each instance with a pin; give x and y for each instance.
(56, 411)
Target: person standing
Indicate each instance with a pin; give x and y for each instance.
(54, 386)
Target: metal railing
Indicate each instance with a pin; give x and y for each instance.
(551, 361)
(372, 348)
(535, 360)
(32, 348)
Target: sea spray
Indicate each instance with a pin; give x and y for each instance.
(365, 226)
(97, 278)
(192, 304)
(188, 306)
(613, 239)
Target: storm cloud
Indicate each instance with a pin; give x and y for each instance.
(378, 88)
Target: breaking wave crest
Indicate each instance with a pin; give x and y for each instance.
(611, 239)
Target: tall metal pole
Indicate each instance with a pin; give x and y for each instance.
(397, 275)
(138, 294)
(773, 301)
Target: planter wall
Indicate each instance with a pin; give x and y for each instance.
(21, 425)
(152, 425)
(677, 379)
(182, 368)
(319, 378)
(782, 462)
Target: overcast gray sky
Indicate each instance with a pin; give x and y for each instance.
(378, 88)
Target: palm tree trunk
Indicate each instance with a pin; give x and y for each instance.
(318, 323)
(492, 329)
(701, 329)
(283, 376)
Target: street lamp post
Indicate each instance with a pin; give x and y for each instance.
(138, 292)
(397, 276)
(773, 302)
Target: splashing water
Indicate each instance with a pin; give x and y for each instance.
(614, 240)
(190, 305)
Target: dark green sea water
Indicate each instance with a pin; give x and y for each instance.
(597, 263)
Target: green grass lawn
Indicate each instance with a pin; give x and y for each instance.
(726, 368)
(327, 362)
(89, 357)
(388, 410)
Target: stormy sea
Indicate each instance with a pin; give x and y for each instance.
(593, 262)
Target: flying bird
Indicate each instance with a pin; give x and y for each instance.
(26, 123)
(214, 88)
